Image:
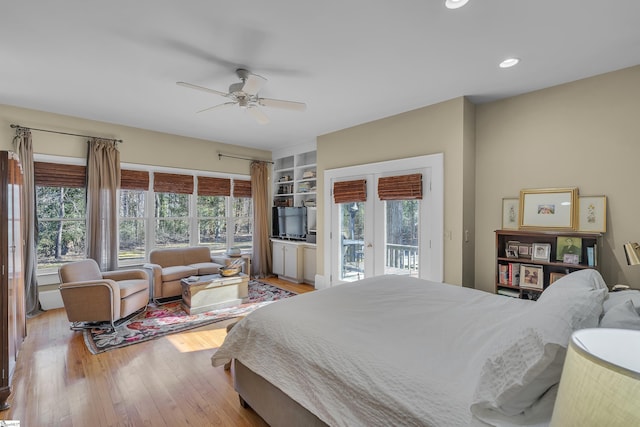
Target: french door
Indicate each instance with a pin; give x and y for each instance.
(372, 237)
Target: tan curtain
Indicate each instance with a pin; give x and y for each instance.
(261, 258)
(103, 179)
(24, 148)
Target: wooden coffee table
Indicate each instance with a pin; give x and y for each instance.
(213, 291)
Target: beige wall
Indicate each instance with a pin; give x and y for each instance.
(140, 146)
(584, 134)
(434, 129)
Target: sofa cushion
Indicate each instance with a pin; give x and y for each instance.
(206, 268)
(180, 256)
(132, 286)
(178, 272)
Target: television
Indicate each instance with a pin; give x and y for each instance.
(289, 222)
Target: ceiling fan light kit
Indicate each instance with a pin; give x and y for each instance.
(245, 95)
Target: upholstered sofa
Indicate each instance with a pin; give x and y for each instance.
(169, 266)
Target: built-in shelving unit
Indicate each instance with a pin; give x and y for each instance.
(294, 183)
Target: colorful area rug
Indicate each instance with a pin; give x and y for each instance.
(160, 320)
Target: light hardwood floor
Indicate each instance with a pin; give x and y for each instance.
(164, 382)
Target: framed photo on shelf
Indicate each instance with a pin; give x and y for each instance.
(548, 208)
(511, 252)
(592, 213)
(510, 213)
(531, 276)
(541, 252)
(571, 259)
(568, 245)
(554, 276)
(524, 250)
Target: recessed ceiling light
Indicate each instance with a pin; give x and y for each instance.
(455, 4)
(509, 62)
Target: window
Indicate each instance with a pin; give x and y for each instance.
(132, 227)
(171, 209)
(218, 213)
(134, 186)
(60, 209)
(243, 223)
(212, 222)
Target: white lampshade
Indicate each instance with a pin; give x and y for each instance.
(600, 384)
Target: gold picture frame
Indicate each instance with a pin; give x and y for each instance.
(592, 213)
(549, 209)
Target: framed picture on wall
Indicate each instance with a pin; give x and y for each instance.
(548, 208)
(592, 213)
(510, 213)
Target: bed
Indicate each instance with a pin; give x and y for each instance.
(396, 350)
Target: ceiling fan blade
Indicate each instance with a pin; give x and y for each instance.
(258, 115)
(279, 103)
(218, 107)
(253, 84)
(204, 89)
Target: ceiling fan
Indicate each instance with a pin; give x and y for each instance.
(245, 95)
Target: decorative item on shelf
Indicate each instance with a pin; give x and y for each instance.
(524, 251)
(600, 383)
(568, 245)
(541, 252)
(309, 174)
(632, 251)
(531, 276)
(285, 178)
(548, 208)
(553, 276)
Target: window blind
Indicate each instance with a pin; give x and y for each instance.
(241, 188)
(134, 180)
(350, 191)
(402, 187)
(172, 183)
(59, 175)
(209, 186)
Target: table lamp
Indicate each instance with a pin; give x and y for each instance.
(632, 251)
(600, 383)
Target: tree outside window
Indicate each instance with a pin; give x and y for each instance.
(61, 226)
(132, 227)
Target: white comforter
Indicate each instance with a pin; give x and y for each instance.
(389, 350)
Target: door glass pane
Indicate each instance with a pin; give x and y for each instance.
(352, 241)
(401, 246)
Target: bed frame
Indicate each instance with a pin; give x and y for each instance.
(268, 401)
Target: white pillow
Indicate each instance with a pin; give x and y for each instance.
(617, 298)
(621, 316)
(528, 358)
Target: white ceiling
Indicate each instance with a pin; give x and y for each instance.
(351, 61)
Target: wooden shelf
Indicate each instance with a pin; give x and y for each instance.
(551, 268)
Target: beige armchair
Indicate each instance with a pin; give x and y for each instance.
(92, 297)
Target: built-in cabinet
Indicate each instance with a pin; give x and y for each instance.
(294, 261)
(309, 264)
(13, 321)
(527, 262)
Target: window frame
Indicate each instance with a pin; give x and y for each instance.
(49, 276)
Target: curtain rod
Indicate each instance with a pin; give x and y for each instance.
(64, 133)
(220, 156)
